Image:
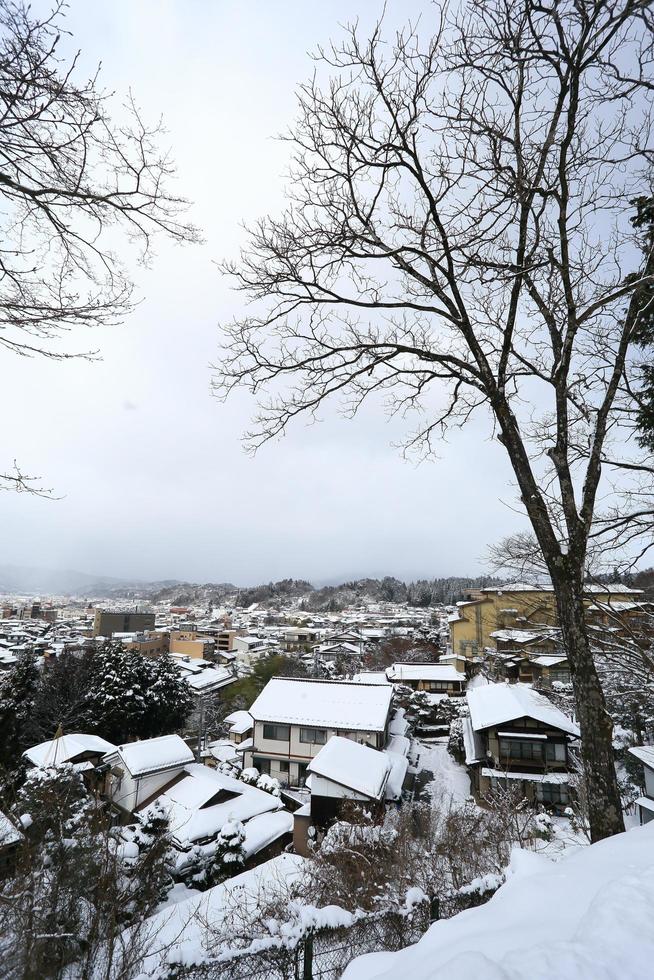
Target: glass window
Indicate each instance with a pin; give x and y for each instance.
(555, 751)
(263, 765)
(279, 733)
(283, 765)
(514, 749)
(313, 736)
(552, 793)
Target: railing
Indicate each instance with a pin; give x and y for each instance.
(318, 954)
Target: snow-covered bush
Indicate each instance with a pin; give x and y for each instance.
(250, 775)
(269, 784)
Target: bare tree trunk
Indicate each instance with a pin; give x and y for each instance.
(604, 805)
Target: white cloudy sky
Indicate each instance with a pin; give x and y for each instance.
(154, 480)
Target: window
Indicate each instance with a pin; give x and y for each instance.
(552, 793)
(263, 765)
(514, 749)
(555, 752)
(283, 765)
(278, 733)
(301, 773)
(313, 736)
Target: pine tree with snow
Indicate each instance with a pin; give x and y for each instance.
(118, 701)
(170, 700)
(229, 856)
(17, 697)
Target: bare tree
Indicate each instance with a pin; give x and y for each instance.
(71, 180)
(459, 222)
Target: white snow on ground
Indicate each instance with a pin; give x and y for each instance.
(450, 779)
(587, 917)
(179, 933)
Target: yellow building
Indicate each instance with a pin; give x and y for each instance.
(191, 643)
(518, 607)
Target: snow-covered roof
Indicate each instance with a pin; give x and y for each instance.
(371, 677)
(610, 588)
(426, 672)
(472, 744)
(327, 704)
(644, 753)
(57, 751)
(495, 704)
(549, 660)
(9, 834)
(179, 934)
(646, 803)
(265, 829)
(556, 778)
(154, 754)
(399, 766)
(239, 722)
(521, 636)
(583, 916)
(211, 677)
(192, 817)
(353, 765)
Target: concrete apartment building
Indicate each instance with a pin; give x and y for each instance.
(293, 718)
(106, 622)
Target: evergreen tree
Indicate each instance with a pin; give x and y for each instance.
(17, 697)
(118, 698)
(169, 699)
(229, 856)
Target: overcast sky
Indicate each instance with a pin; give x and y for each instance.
(155, 483)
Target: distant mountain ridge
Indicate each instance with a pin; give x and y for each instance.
(20, 579)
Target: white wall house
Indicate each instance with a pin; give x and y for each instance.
(138, 770)
(293, 718)
(645, 754)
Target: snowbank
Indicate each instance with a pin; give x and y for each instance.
(588, 917)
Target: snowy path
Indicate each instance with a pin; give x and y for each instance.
(450, 779)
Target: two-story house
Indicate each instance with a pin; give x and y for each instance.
(432, 677)
(517, 737)
(293, 718)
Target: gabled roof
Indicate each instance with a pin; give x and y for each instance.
(496, 704)
(57, 751)
(355, 766)
(427, 672)
(325, 704)
(154, 754)
(191, 814)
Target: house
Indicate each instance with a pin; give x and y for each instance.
(198, 803)
(10, 840)
(434, 678)
(203, 676)
(239, 725)
(645, 754)
(251, 648)
(345, 771)
(519, 606)
(138, 771)
(293, 718)
(84, 752)
(517, 737)
(299, 638)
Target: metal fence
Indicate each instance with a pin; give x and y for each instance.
(321, 954)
